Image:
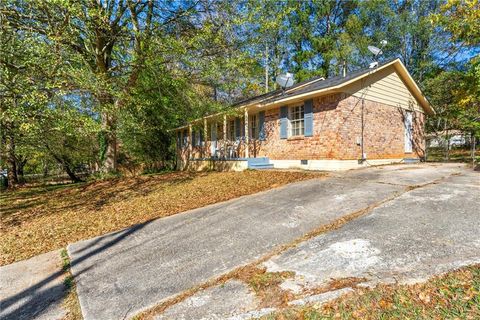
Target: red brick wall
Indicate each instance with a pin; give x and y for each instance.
(336, 129)
(337, 126)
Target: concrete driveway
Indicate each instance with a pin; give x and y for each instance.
(423, 232)
(430, 229)
(123, 273)
(417, 220)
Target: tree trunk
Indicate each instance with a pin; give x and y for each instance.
(110, 139)
(11, 162)
(447, 143)
(20, 166)
(65, 165)
(12, 174)
(70, 173)
(474, 142)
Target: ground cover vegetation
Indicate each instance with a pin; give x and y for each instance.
(40, 219)
(454, 295)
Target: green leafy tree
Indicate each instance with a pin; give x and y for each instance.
(26, 73)
(67, 133)
(461, 21)
(106, 44)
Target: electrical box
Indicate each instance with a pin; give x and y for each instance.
(359, 141)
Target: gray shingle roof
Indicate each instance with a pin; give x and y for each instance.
(307, 86)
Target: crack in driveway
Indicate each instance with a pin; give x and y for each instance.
(334, 225)
(164, 258)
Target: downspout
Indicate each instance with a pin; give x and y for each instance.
(362, 160)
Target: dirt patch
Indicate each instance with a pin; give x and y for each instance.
(266, 285)
(335, 284)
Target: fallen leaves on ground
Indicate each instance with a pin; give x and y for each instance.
(39, 219)
(455, 295)
(266, 285)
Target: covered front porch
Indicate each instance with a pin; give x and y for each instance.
(223, 142)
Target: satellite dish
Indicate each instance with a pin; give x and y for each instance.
(376, 51)
(285, 80)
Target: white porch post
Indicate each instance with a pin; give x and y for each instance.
(189, 139)
(224, 135)
(246, 133)
(205, 137)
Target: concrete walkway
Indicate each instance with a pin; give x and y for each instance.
(33, 288)
(122, 273)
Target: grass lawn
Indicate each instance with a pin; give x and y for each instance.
(456, 155)
(39, 219)
(455, 295)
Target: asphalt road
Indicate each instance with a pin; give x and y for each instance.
(123, 273)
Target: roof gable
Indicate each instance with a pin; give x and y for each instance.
(319, 86)
(336, 84)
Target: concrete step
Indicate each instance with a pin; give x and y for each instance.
(261, 166)
(263, 160)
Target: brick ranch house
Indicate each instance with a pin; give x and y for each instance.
(368, 117)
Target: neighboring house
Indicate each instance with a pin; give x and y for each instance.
(455, 138)
(371, 116)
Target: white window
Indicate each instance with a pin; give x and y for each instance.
(296, 118)
(197, 138)
(185, 137)
(253, 126)
(231, 130)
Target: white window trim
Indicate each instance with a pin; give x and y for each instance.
(290, 120)
(231, 132)
(253, 134)
(198, 141)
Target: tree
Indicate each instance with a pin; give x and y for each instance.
(107, 43)
(67, 133)
(26, 73)
(104, 42)
(461, 21)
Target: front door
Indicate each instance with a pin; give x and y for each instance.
(408, 131)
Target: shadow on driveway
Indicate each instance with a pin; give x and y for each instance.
(43, 300)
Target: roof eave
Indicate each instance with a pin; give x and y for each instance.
(422, 100)
(397, 63)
